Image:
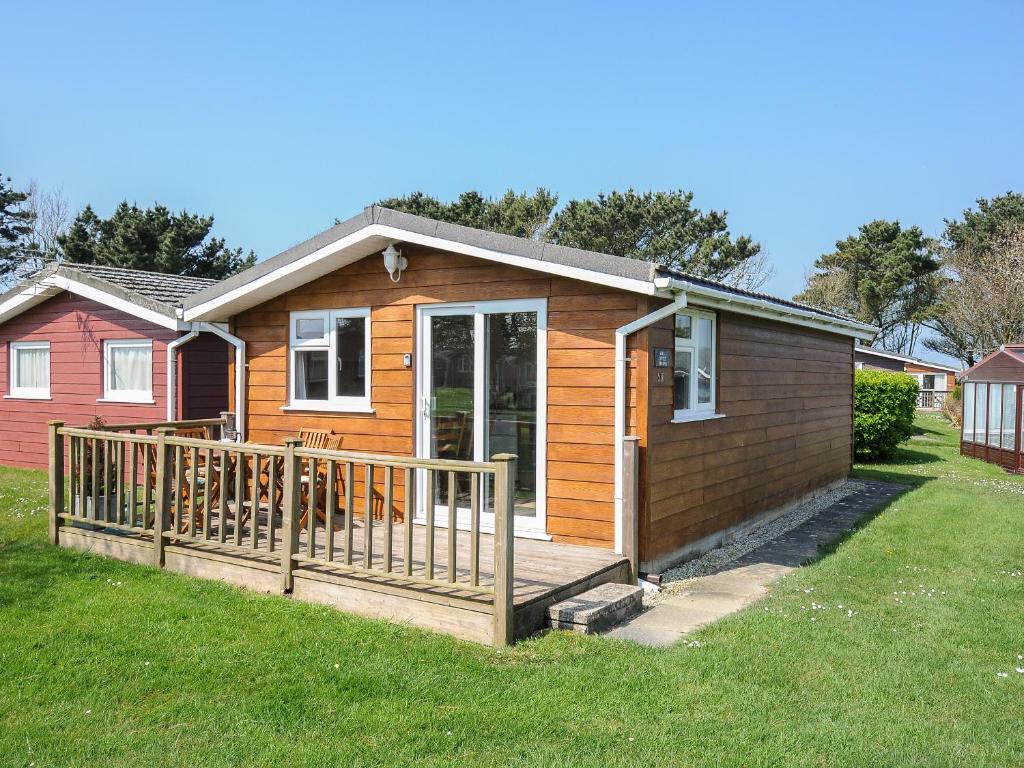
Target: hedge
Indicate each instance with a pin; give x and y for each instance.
(883, 412)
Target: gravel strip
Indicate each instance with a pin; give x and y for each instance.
(717, 559)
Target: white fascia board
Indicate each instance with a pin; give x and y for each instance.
(53, 284)
(287, 276)
(748, 305)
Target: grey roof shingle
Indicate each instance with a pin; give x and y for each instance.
(616, 266)
(167, 289)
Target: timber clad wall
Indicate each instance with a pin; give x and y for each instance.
(581, 325)
(203, 367)
(76, 328)
(787, 396)
(874, 363)
(950, 380)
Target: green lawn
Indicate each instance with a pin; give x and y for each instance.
(108, 664)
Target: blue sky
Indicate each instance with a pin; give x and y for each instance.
(802, 120)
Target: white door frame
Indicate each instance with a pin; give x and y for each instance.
(532, 527)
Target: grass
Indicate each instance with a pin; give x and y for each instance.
(104, 663)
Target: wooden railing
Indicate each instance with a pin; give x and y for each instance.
(334, 511)
(931, 399)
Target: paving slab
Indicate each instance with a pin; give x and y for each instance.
(693, 603)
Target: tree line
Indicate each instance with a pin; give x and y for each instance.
(960, 293)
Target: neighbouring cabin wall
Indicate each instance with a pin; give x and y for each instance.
(787, 396)
(874, 363)
(203, 392)
(950, 380)
(76, 328)
(581, 347)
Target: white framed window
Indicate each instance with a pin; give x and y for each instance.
(329, 360)
(128, 370)
(30, 369)
(694, 379)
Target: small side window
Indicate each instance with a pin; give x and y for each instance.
(30, 369)
(693, 391)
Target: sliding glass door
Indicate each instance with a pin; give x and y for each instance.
(482, 391)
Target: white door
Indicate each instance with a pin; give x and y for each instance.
(482, 389)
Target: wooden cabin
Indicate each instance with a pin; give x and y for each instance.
(414, 337)
(934, 380)
(84, 342)
(475, 427)
(992, 418)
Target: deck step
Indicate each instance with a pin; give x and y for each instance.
(597, 609)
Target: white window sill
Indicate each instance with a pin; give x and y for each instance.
(27, 397)
(699, 416)
(126, 401)
(327, 408)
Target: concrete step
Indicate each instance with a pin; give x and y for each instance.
(597, 609)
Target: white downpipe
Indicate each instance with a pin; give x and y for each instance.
(172, 372)
(217, 330)
(621, 334)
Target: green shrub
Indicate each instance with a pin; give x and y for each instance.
(883, 412)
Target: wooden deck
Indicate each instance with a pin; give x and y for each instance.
(544, 573)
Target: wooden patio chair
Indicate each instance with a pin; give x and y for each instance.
(326, 441)
(189, 495)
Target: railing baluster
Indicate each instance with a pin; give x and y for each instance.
(453, 528)
(271, 500)
(368, 516)
(331, 504)
(474, 528)
(207, 499)
(179, 489)
(107, 496)
(223, 478)
(239, 495)
(428, 555)
(148, 484)
(163, 454)
(409, 513)
(133, 485)
(389, 482)
(350, 482)
(95, 476)
(257, 494)
(311, 508)
(193, 490)
(119, 512)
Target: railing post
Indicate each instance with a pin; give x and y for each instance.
(56, 480)
(631, 504)
(504, 549)
(290, 511)
(161, 516)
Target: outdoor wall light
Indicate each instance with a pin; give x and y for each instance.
(394, 263)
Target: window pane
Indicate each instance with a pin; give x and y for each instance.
(351, 356)
(684, 326)
(995, 413)
(311, 374)
(1009, 415)
(131, 368)
(928, 381)
(980, 412)
(33, 368)
(969, 412)
(705, 364)
(307, 328)
(681, 380)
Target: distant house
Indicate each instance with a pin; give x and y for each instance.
(83, 341)
(992, 408)
(935, 380)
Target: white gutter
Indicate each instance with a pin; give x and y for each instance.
(239, 345)
(172, 370)
(679, 302)
(749, 305)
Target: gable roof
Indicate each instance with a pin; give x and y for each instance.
(1003, 364)
(903, 358)
(151, 296)
(376, 227)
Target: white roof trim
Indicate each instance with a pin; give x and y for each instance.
(353, 247)
(905, 359)
(37, 292)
